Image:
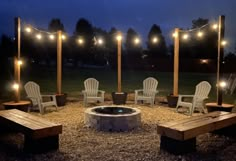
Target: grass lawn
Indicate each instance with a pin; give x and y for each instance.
(72, 81)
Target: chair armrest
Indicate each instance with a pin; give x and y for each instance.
(101, 91)
(53, 96)
(181, 96)
(84, 92)
(138, 90)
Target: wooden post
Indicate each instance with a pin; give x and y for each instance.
(221, 31)
(59, 61)
(119, 62)
(176, 62)
(16, 65)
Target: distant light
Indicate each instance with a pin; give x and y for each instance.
(19, 62)
(215, 26)
(136, 40)
(154, 40)
(63, 37)
(15, 86)
(223, 43)
(28, 29)
(204, 61)
(39, 36)
(80, 41)
(185, 36)
(200, 34)
(100, 41)
(51, 37)
(119, 37)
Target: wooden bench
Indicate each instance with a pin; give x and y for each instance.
(179, 137)
(40, 135)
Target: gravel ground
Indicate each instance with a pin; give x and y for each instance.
(80, 143)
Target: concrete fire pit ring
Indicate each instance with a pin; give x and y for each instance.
(113, 118)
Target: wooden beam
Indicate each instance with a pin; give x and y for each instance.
(220, 55)
(176, 63)
(119, 63)
(59, 60)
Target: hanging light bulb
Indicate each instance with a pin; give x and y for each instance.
(154, 40)
(51, 37)
(100, 41)
(28, 29)
(80, 41)
(185, 36)
(200, 34)
(39, 36)
(136, 40)
(223, 42)
(63, 37)
(215, 26)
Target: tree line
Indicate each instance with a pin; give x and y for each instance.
(91, 53)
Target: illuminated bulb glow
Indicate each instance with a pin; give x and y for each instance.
(223, 84)
(52, 37)
(28, 29)
(185, 36)
(136, 40)
(39, 36)
(223, 43)
(19, 62)
(175, 34)
(119, 37)
(80, 41)
(214, 26)
(63, 37)
(200, 34)
(100, 41)
(154, 40)
(15, 86)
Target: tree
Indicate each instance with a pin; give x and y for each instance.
(156, 42)
(55, 25)
(84, 31)
(204, 47)
(133, 44)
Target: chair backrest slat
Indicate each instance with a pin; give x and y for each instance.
(32, 90)
(149, 85)
(91, 87)
(202, 89)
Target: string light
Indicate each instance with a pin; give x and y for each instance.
(215, 26)
(63, 37)
(15, 86)
(100, 41)
(51, 37)
(19, 62)
(39, 36)
(154, 39)
(28, 29)
(136, 40)
(80, 41)
(185, 36)
(119, 37)
(200, 34)
(223, 42)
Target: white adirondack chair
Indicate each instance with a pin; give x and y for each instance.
(33, 93)
(92, 92)
(201, 94)
(149, 91)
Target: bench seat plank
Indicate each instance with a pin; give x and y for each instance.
(32, 126)
(191, 127)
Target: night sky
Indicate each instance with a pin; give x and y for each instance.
(122, 14)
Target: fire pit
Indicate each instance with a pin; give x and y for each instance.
(113, 118)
